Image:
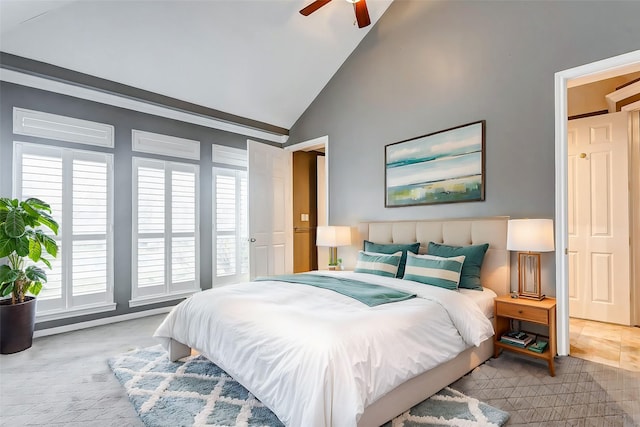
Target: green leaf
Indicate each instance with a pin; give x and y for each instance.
(46, 262)
(47, 220)
(7, 275)
(35, 249)
(29, 209)
(22, 246)
(35, 288)
(6, 289)
(50, 245)
(35, 273)
(37, 204)
(7, 246)
(14, 224)
(5, 204)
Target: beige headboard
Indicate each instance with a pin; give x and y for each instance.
(495, 273)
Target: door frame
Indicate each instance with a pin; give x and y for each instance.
(563, 80)
(310, 145)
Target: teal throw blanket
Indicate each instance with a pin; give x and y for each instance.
(366, 293)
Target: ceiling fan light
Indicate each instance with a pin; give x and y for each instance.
(352, 1)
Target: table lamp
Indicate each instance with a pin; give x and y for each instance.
(333, 236)
(530, 237)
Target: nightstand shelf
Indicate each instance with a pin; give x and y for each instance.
(527, 310)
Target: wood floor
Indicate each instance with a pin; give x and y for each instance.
(605, 343)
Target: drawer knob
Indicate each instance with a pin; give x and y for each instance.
(519, 311)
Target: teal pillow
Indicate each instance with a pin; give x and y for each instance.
(434, 270)
(390, 248)
(474, 255)
(380, 264)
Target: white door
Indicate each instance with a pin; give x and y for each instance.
(598, 222)
(270, 210)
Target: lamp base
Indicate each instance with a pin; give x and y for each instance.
(529, 275)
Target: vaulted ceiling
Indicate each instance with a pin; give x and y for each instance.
(258, 59)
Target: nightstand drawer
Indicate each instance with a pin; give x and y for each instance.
(522, 312)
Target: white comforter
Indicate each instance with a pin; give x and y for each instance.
(316, 357)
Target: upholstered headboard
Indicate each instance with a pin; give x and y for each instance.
(495, 273)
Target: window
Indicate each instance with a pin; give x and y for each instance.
(78, 185)
(230, 230)
(165, 231)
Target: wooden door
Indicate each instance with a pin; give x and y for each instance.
(270, 220)
(304, 211)
(598, 222)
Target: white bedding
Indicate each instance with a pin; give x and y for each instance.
(484, 299)
(316, 357)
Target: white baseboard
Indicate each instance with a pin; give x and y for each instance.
(100, 322)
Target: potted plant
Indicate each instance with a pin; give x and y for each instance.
(21, 241)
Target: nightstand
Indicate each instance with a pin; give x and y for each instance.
(541, 312)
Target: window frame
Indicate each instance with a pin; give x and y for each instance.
(69, 305)
(230, 161)
(168, 290)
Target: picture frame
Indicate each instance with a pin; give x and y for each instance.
(447, 166)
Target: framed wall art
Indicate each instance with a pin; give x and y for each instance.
(441, 167)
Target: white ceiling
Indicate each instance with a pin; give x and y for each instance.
(258, 59)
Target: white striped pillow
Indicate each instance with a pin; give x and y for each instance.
(434, 270)
(380, 264)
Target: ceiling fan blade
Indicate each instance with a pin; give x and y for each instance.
(313, 7)
(362, 14)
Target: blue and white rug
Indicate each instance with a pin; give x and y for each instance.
(196, 392)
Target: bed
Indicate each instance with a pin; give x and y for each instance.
(283, 370)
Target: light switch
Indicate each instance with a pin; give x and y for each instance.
(304, 217)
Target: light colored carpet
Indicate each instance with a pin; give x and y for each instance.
(196, 392)
(64, 380)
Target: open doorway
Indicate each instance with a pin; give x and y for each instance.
(586, 287)
(310, 201)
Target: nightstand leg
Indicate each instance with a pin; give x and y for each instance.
(552, 367)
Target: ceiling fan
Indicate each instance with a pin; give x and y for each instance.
(359, 6)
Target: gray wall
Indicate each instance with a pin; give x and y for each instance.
(432, 65)
(124, 120)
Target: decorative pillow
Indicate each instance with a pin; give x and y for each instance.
(390, 248)
(474, 255)
(434, 270)
(380, 264)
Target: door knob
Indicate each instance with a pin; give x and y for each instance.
(583, 155)
(252, 240)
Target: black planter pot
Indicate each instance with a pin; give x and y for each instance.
(16, 325)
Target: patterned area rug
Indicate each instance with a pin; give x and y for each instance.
(196, 392)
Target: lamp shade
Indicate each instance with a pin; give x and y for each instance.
(333, 236)
(533, 235)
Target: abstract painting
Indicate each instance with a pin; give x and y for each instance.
(441, 167)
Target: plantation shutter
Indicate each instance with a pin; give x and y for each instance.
(90, 227)
(183, 258)
(151, 227)
(41, 178)
(166, 235)
(230, 224)
(77, 186)
(225, 222)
